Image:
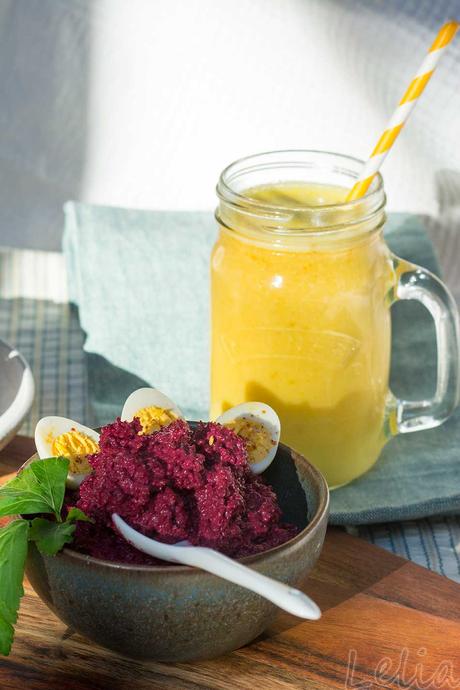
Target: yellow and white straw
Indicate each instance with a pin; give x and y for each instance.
(404, 109)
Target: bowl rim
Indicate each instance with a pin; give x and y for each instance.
(13, 416)
(320, 513)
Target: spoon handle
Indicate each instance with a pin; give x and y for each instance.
(285, 597)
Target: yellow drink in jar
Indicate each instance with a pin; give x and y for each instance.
(304, 324)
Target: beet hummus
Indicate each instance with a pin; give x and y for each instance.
(176, 483)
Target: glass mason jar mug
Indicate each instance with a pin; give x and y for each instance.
(302, 285)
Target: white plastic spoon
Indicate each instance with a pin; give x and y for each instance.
(287, 598)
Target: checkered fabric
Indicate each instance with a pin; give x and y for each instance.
(37, 319)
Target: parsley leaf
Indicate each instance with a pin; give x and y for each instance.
(38, 488)
(13, 550)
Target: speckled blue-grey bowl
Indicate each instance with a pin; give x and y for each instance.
(178, 613)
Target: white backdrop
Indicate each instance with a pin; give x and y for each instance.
(142, 102)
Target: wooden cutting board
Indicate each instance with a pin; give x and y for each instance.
(387, 623)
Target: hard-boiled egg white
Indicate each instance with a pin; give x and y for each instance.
(62, 437)
(259, 425)
(153, 409)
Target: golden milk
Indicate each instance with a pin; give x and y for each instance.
(304, 326)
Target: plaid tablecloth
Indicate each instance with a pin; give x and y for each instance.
(35, 317)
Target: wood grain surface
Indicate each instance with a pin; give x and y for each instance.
(386, 623)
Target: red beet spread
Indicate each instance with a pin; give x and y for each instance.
(178, 483)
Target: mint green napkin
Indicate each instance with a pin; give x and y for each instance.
(140, 280)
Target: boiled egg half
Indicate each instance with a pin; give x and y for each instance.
(62, 437)
(259, 426)
(153, 409)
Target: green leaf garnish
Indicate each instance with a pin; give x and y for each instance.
(38, 488)
(50, 537)
(13, 551)
(75, 514)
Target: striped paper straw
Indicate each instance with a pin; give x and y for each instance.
(404, 109)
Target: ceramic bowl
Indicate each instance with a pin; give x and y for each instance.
(177, 613)
(16, 392)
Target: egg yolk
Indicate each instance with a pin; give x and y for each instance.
(256, 435)
(154, 418)
(76, 446)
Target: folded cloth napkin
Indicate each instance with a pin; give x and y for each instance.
(140, 280)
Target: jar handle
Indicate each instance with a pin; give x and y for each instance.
(420, 284)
